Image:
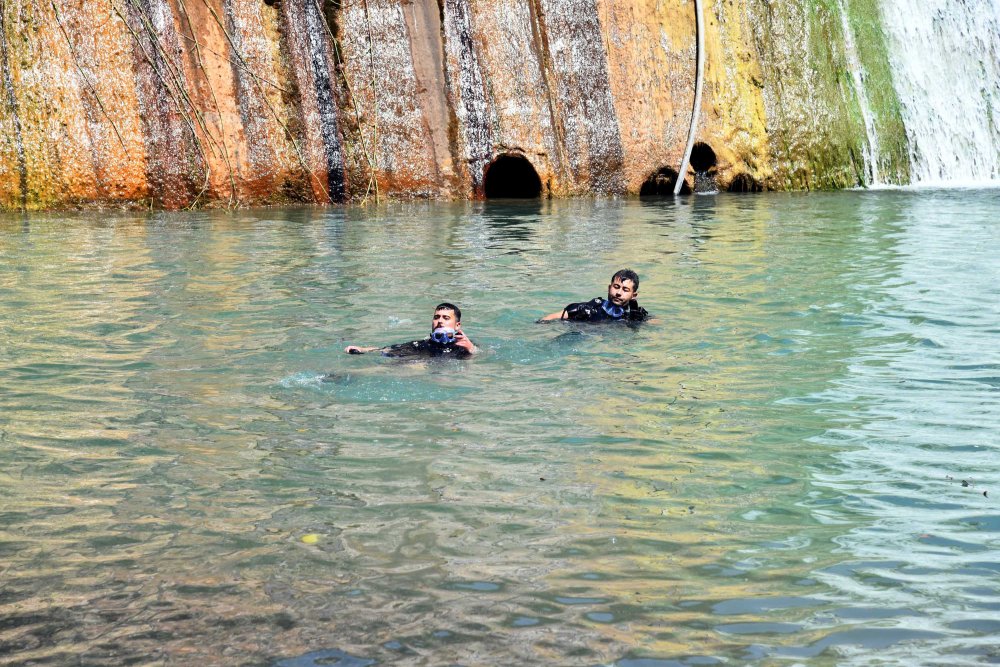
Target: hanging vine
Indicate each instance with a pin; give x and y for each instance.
(176, 92)
(370, 154)
(86, 80)
(218, 109)
(257, 81)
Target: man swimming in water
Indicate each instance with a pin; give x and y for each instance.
(620, 305)
(446, 339)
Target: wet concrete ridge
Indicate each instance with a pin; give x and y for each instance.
(173, 103)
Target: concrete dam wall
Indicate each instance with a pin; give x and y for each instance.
(179, 103)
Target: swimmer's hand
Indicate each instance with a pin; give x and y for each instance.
(354, 349)
(462, 341)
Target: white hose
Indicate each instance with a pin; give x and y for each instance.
(700, 29)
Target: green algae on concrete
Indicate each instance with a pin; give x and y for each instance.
(26, 178)
(892, 158)
(813, 120)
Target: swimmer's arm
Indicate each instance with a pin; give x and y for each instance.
(561, 315)
(354, 349)
(463, 341)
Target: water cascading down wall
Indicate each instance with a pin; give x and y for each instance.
(177, 103)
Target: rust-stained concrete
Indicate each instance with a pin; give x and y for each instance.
(178, 103)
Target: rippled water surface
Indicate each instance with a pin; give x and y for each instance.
(796, 463)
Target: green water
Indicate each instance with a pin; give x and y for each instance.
(796, 463)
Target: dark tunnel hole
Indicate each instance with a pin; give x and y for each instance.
(662, 183)
(702, 157)
(512, 177)
(744, 183)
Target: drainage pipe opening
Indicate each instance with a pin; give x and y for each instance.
(511, 177)
(703, 157)
(661, 183)
(744, 183)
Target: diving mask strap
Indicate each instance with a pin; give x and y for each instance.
(616, 312)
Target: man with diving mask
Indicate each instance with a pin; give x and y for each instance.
(619, 306)
(446, 339)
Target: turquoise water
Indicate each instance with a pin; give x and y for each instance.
(795, 464)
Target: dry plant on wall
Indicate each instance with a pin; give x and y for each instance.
(259, 82)
(173, 83)
(233, 201)
(370, 152)
(86, 81)
(172, 79)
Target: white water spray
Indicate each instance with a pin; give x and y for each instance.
(946, 68)
(871, 147)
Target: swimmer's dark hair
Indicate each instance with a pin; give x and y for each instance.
(452, 307)
(624, 274)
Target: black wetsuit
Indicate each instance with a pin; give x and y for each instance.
(593, 311)
(425, 348)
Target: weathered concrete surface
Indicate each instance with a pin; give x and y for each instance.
(176, 103)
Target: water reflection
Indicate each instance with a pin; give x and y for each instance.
(773, 471)
(512, 224)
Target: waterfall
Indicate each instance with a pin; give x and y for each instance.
(946, 68)
(871, 148)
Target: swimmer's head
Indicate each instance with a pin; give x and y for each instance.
(447, 315)
(624, 287)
